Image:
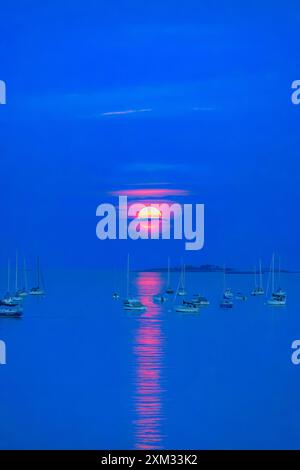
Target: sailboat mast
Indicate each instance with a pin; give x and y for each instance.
(181, 274)
(168, 279)
(127, 286)
(25, 275)
(273, 272)
(16, 271)
(38, 271)
(260, 274)
(8, 276)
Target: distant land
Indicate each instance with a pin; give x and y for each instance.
(213, 268)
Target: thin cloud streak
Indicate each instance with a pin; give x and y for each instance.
(142, 193)
(127, 111)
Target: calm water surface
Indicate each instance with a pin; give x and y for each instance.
(83, 373)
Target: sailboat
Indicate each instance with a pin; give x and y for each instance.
(9, 307)
(169, 289)
(11, 299)
(241, 296)
(16, 297)
(198, 301)
(11, 311)
(37, 290)
(187, 307)
(226, 301)
(8, 300)
(278, 298)
(279, 291)
(228, 294)
(160, 299)
(24, 291)
(131, 303)
(116, 294)
(258, 289)
(181, 290)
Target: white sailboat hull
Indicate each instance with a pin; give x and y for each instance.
(276, 303)
(160, 299)
(181, 293)
(226, 304)
(135, 309)
(10, 312)
(37, 292)
(186, 309)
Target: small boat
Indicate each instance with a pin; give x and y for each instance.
(186, 308)
(258, 289)
(10, 299)
(198, 300)
(181, 290)
(38, 289)
(278, 297)
(160, 299)
(16, 297)
(279, 293)
(228, 294)
(226, 303)
(115, 294)
(131, 303)
(11, 311)
(240, 296)
(24, 291)
(169, 289)
(277, 302)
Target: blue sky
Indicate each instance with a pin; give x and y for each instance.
(208, 89)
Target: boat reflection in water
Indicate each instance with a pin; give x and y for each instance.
(149, 360)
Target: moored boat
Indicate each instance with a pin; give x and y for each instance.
(131, 303)
(169, 289)
(160, 299)
(7, 311)
(241, 296)
(181, 289)
(37, 290)
(258, 289)
(187, 308)
(226, 303)
(278, 296)
(198, 300)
